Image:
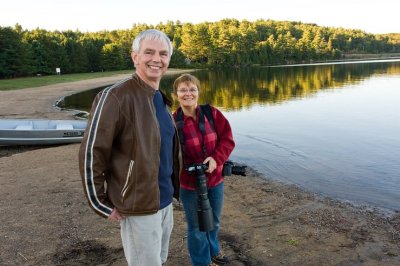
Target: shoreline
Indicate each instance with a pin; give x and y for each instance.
(341, 61)
(47, 221)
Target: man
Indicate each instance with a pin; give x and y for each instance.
(130, 157)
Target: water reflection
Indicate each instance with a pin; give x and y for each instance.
(241, 89)
(341, 143)
(244, 88)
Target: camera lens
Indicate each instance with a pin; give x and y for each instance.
(204, 211)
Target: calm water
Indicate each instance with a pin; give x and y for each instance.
(331, 129)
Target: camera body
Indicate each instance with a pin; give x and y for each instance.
(204, 211)
(231, 169)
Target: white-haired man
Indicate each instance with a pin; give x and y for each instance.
(130, 157)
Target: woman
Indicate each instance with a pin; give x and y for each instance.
(207, 141)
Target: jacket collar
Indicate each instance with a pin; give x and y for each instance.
(146, 86)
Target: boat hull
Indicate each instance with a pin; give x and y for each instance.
(40, 132)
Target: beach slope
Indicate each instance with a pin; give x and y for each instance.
(45, 219)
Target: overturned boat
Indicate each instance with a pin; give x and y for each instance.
(40, 131)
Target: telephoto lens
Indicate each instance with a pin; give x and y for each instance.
(227, 168)
(204, 211)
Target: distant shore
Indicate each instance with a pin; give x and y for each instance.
(347, 59)
(46, 219)
(371, 56)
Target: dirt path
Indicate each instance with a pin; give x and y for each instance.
(45, 219)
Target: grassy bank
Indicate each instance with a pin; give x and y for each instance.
(30, 82)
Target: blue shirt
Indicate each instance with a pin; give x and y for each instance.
(167, 132)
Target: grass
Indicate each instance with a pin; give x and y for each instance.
(29, 82)
(293, 242)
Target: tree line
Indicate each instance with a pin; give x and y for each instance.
(226, 43)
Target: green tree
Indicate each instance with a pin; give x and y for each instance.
(196, 42)
(112, 57)
(15, 55)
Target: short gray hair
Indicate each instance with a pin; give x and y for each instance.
(151, 34)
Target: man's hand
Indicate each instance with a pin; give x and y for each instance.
(115, 216)
(212, 164)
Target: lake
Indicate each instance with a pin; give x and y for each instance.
(332, 129)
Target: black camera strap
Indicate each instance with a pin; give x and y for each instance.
(204, 111)
(202, 127)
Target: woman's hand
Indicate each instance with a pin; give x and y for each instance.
(212, 164)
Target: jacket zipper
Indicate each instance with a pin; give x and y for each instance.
(128, 177)
(159, 138)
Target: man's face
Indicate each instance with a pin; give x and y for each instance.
(151, 61)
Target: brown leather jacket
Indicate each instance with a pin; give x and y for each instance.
(119, 155)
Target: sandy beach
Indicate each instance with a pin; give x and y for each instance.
(45, 218)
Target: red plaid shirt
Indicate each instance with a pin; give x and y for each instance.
(219, 148)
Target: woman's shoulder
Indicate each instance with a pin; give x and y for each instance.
(215, 111)
(211, 107)
(177, 110)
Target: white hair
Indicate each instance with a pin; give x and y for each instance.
(151, 34)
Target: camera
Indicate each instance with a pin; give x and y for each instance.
(231, 169)
(204, 211)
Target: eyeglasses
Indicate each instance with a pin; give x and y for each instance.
(184, 91)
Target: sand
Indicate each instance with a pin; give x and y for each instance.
(45, 218)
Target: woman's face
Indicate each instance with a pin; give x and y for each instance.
(188, 94)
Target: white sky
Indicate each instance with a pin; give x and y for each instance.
(372, 16)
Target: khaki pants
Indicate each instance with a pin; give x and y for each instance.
(146, 238)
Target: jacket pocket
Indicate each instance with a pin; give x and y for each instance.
(128, 178)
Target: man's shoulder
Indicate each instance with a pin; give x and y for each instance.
(130, 85)
(116, 87)
(121, 85)
(123, 88)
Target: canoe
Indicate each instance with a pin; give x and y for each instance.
(40, 131)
